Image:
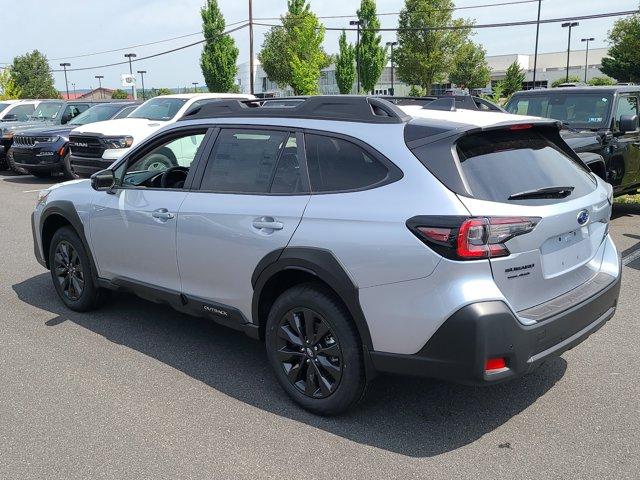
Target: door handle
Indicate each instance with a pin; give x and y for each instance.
(162, 214)
(267, 223)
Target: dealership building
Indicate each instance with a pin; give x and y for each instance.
(550, 67)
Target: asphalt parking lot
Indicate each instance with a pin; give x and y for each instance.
(136, 390)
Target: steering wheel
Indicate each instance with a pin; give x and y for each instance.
(173, 176)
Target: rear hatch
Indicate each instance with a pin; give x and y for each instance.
(525, 171)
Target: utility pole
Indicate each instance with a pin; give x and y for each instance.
(142, 72)
(195, 87)
(133, 87)
(535, 55)
(100, 77)
(358, 23)
(570, 25)
(251, 87)
(74, 91)
(391, 45)
(586, 57)
(66, 84)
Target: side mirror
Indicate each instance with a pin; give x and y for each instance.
(628, 123)
(65, 118)
(103, 181)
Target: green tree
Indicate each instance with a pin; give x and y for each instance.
(497, 91)
(416, 91)
(371, 55)
(601, 81)
(8, 88)
(513, 80)
(345, 65)
(623, 60)
(425, 53)
(292, 54)
(559, 81)
(470, 69)
(118, 94)
(219, 54)
(32, 76)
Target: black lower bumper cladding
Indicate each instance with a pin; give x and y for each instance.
(480, 331)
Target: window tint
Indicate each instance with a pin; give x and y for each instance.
(244, 161)
(336, 165)
(627, 105)
(499, 164)
(587, 110)
(287, 176)
(22, 112)
(125, 112)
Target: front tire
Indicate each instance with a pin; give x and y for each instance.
(71, 272)
(67, 168)
(12, 164)
(315, 350)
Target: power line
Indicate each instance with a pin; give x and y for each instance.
(473, 27)
(468, 7)
(149, 56)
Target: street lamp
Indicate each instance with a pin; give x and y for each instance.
(133, 87)
(570, 25)
(66, 84)
(391, 45)
(358, 24)
(586, 57)
(142, 72)
(195, 87)
(100, 77)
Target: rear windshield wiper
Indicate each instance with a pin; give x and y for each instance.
(545, 192)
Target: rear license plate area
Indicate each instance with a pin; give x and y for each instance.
(566, 251)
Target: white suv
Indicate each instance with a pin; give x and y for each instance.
(17, 110)
(97, 145)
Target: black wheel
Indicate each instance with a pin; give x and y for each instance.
(12, 164)
(67, 168)
(71, 272)
(315, 351)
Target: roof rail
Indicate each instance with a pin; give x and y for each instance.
(349, 108)
(448, 104)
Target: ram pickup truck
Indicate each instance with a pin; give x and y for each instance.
(600, 124)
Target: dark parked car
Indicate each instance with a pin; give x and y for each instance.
(47, 113)
(44, 151)
(601, 125)
(467, 102)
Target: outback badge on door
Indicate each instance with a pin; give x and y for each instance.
(583, 217)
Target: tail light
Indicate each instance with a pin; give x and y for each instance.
(462, 238)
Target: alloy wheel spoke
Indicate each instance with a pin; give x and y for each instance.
(332, 370)
(332, 350)
(321, 332)
(296, 322)
(295, 372)
(286, 334)
(309, 321)
(309, 384)
(323, 382)
(287, 355)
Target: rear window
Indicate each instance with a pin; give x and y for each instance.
(499, 164)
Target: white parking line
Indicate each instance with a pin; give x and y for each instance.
(631, 257)
(31, 191)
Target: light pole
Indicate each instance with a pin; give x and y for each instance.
(586, 57)
(133, 87)
(195, 87)
(66, 84)
(570, 25)
(251, 66)
(535, 55)
(73, 85)
(391, 45)
(100, 77)
(142, 72)
(358, 23)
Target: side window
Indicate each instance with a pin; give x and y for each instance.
(627, 105)
(337, 165)
(22, 112)
(124, 112)
(244, 161)
(287, 175)
(177, 153)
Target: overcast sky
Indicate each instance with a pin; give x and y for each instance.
(63, 28)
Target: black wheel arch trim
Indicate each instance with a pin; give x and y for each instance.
(320, 263)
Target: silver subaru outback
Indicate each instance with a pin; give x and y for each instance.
(351, 236)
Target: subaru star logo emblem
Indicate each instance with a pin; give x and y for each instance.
(583, 217)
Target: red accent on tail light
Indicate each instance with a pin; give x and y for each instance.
(495, 364)
(471, 239)
(523, 126)
(437, 234)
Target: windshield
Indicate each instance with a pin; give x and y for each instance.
(159, 108)
(47, 111)
(578, 110)
(97, 113)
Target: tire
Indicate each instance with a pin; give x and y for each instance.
(12, 164)
(67, 168)
(336, 356)
(77, 267)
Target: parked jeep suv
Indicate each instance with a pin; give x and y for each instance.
(600, 123)
(351, 238)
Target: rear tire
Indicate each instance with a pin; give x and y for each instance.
(71, 272)
(12, 164)
(315, 350)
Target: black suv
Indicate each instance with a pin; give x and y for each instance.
(44, 151)
(601, 125)
(47, 113)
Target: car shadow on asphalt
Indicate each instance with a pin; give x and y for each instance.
(625, 210)
(30, 180)
(411, 416)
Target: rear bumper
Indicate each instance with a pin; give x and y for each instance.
(459, 349)
(86, 166)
